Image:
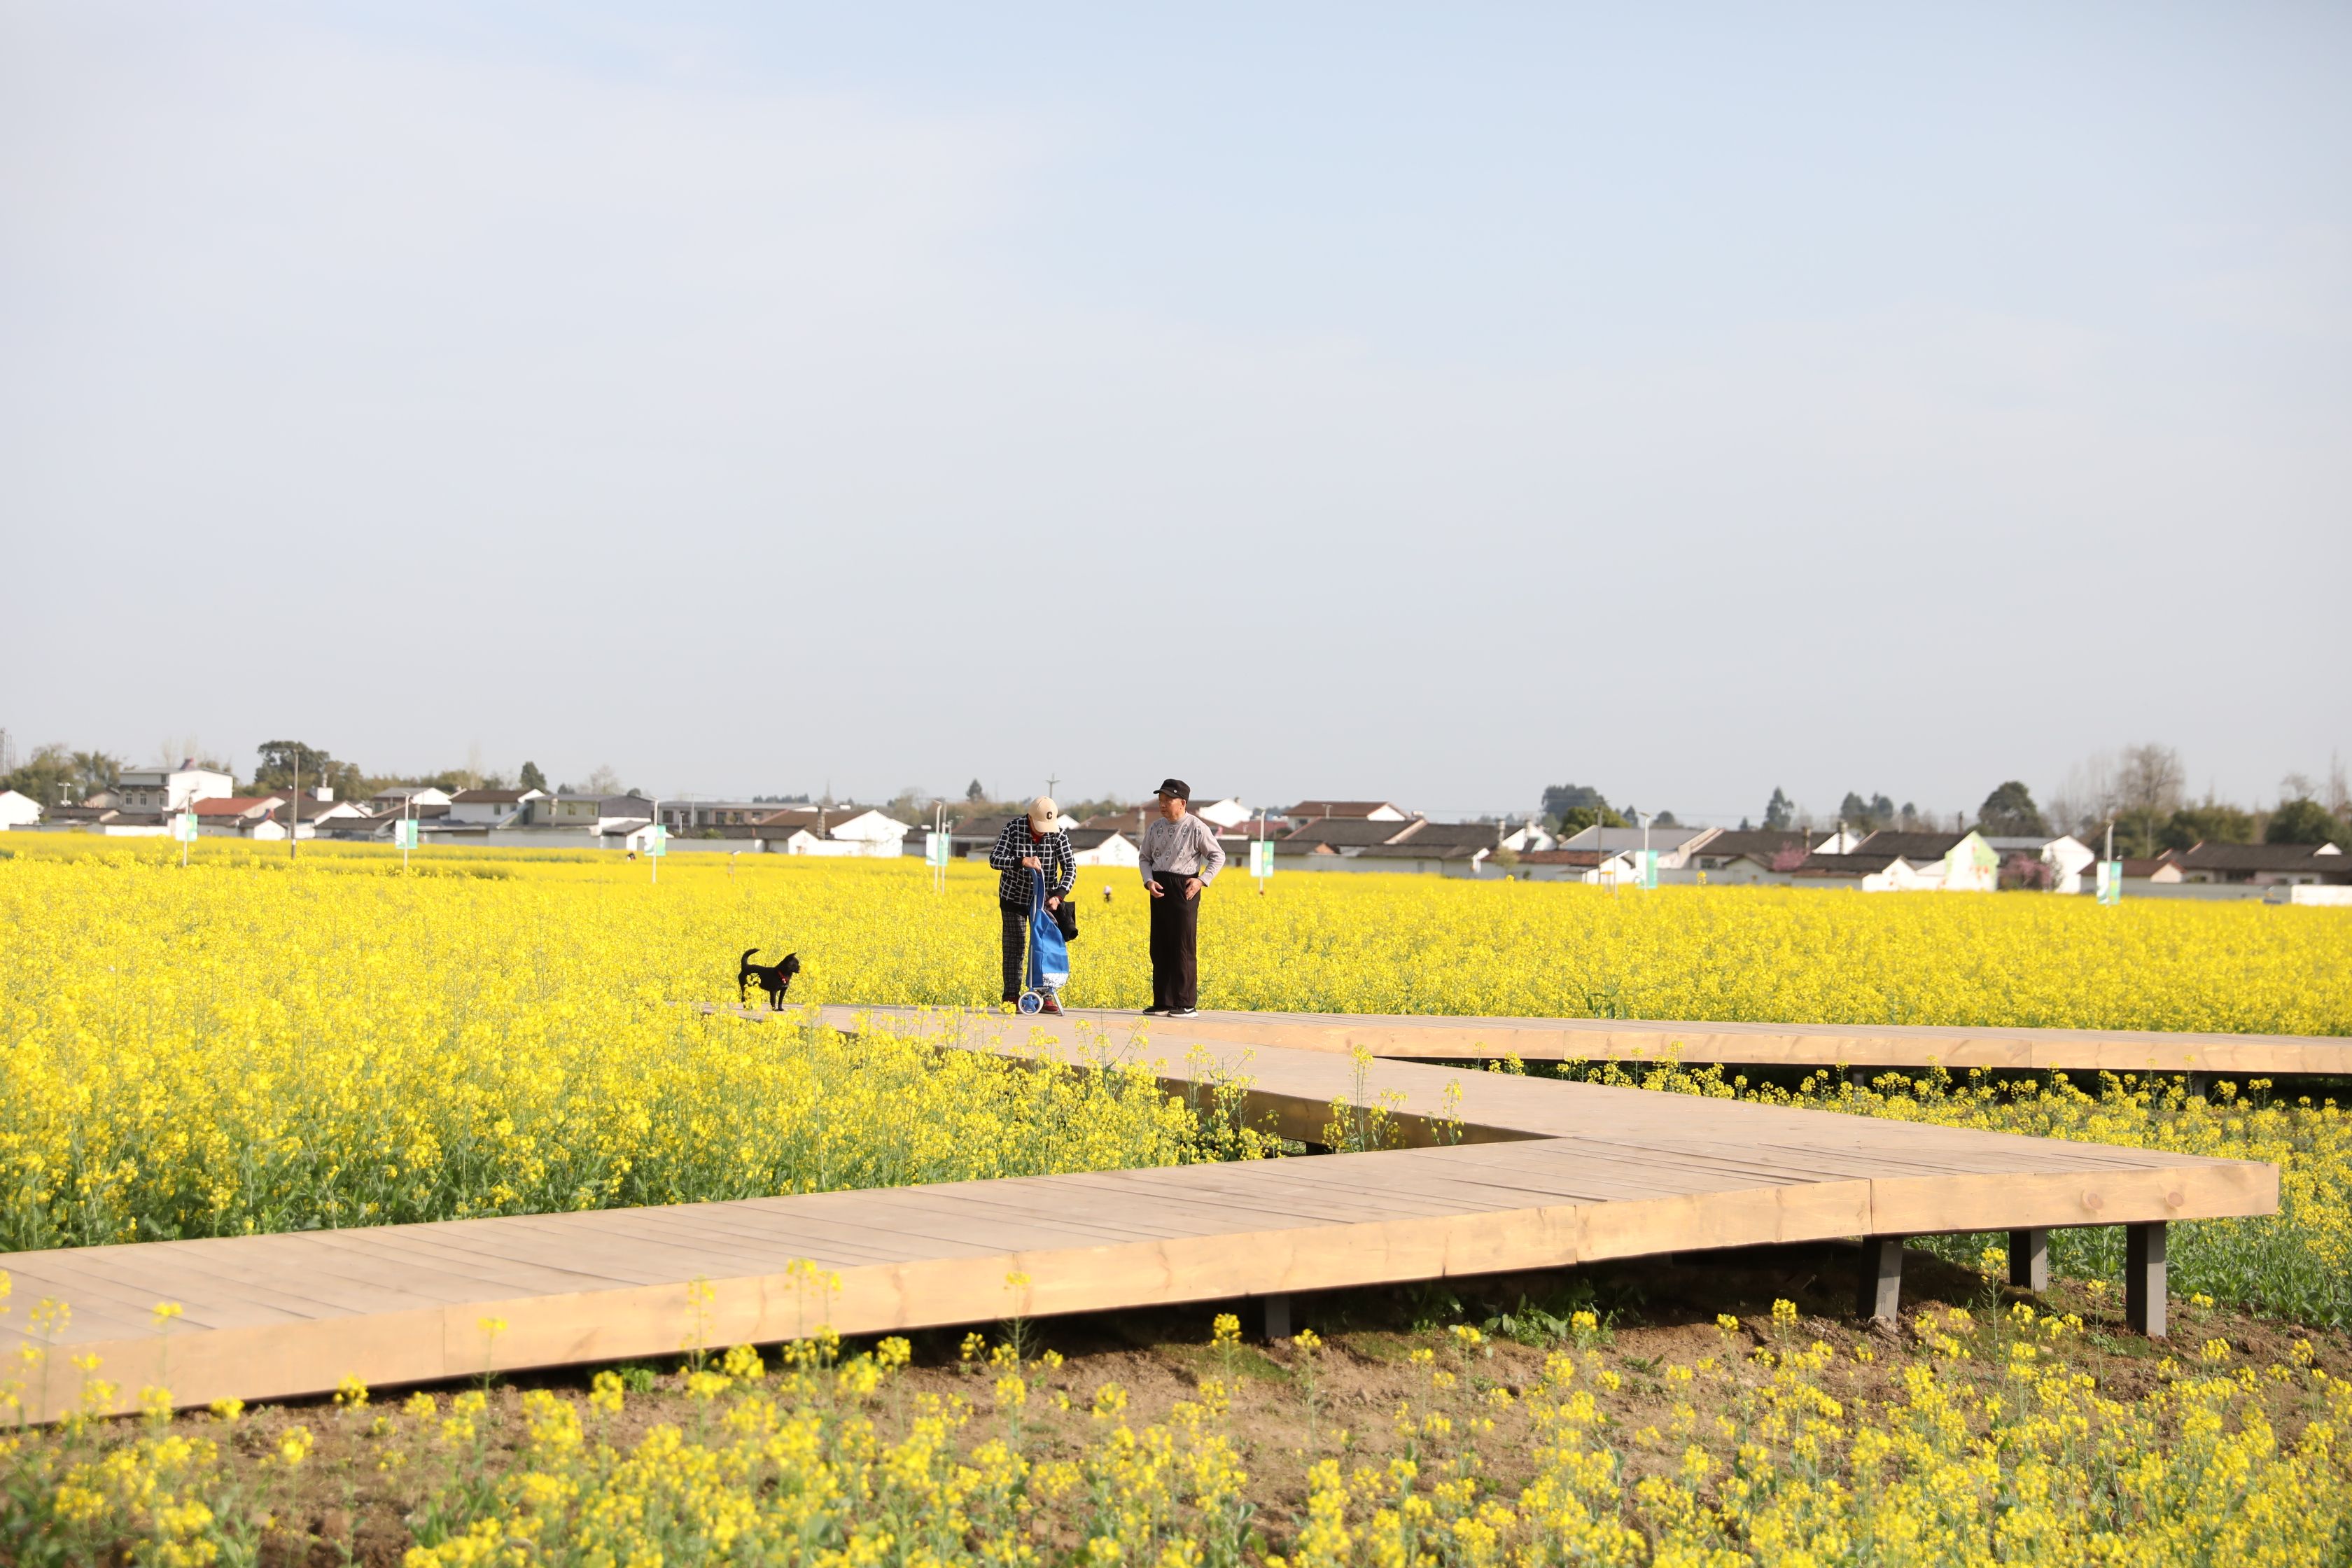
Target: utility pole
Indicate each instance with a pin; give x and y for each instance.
(294, 810)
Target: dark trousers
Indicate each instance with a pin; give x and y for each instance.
(1175, 943)
(1016, 949)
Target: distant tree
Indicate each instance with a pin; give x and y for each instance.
(1908, 817)
(96, 771)
(973, 792)
(1558, 800)
(532, 778)
(1744, 828)
(2303, 821)
(2147, 786)
(319, 770)
(1780, 812)
(1866, 815)
(2215, 822)
(46, 776)
(1665, 819)
(911, 804)
(2010, 812)
(1581, 817)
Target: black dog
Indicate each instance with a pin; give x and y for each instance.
(774, 979)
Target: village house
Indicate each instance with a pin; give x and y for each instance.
(683, 817)
(1957, 862)
(1223, 815)
(17, 810)
(1597, 866)
(394, 797)
(170, 789)
(490, 807)
(1673, 846)
(2265, 865)
(1424, 858)
(577, 821)
(234, 816)
(1104, 846)
(1529, 835)
(1363, 810)
(1765, 849)
(372, 826)
(2063, 858)
(823, 830)
(1328, 843)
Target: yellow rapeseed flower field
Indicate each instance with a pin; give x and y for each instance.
(258, 1043)
(244, 1046)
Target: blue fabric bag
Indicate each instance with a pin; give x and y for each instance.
(1049, 955)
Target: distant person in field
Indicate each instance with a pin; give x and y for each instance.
(1030, 846)
(1179, 859)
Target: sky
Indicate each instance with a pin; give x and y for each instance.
(1422, 403)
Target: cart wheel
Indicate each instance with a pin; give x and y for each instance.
(1032, 1002)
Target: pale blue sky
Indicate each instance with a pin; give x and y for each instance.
(1433, 403)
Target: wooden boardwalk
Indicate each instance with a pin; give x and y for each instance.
(1426, 1038)
(1544, 1174)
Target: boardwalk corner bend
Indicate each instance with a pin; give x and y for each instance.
(1514, 1174)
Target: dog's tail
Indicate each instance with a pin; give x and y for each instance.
(745, 962)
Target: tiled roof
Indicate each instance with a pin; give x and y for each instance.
(1347, 832)
(1476, 835)
(1913, 846)
(2258, 858)
(1762, 843)
(1862, 863)
(233, 805)
(1306, 809)
(1413, 849)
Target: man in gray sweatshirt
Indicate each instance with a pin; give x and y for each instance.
(1179, 859)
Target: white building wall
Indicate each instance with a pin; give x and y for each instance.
(1114, 850)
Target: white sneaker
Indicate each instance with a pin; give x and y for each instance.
(1183, 1012)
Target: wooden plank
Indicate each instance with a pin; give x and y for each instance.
(1742, 1043)
(1574, 1172)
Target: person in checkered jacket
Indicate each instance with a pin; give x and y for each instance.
(1030, 846)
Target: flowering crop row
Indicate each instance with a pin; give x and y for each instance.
(872, 931)
(1996, 1442)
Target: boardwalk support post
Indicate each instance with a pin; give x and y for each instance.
(1278, 1316)
(1880, 1297)
(2144, 1278)
(2029, 1259)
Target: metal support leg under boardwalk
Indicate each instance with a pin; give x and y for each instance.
(1880, 1294)
(2029, 1259)
(2144, 1278)
(1278, 1316)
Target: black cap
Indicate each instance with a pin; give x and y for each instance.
(1176, 787)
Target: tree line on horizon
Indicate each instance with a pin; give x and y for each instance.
(2142, 791)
